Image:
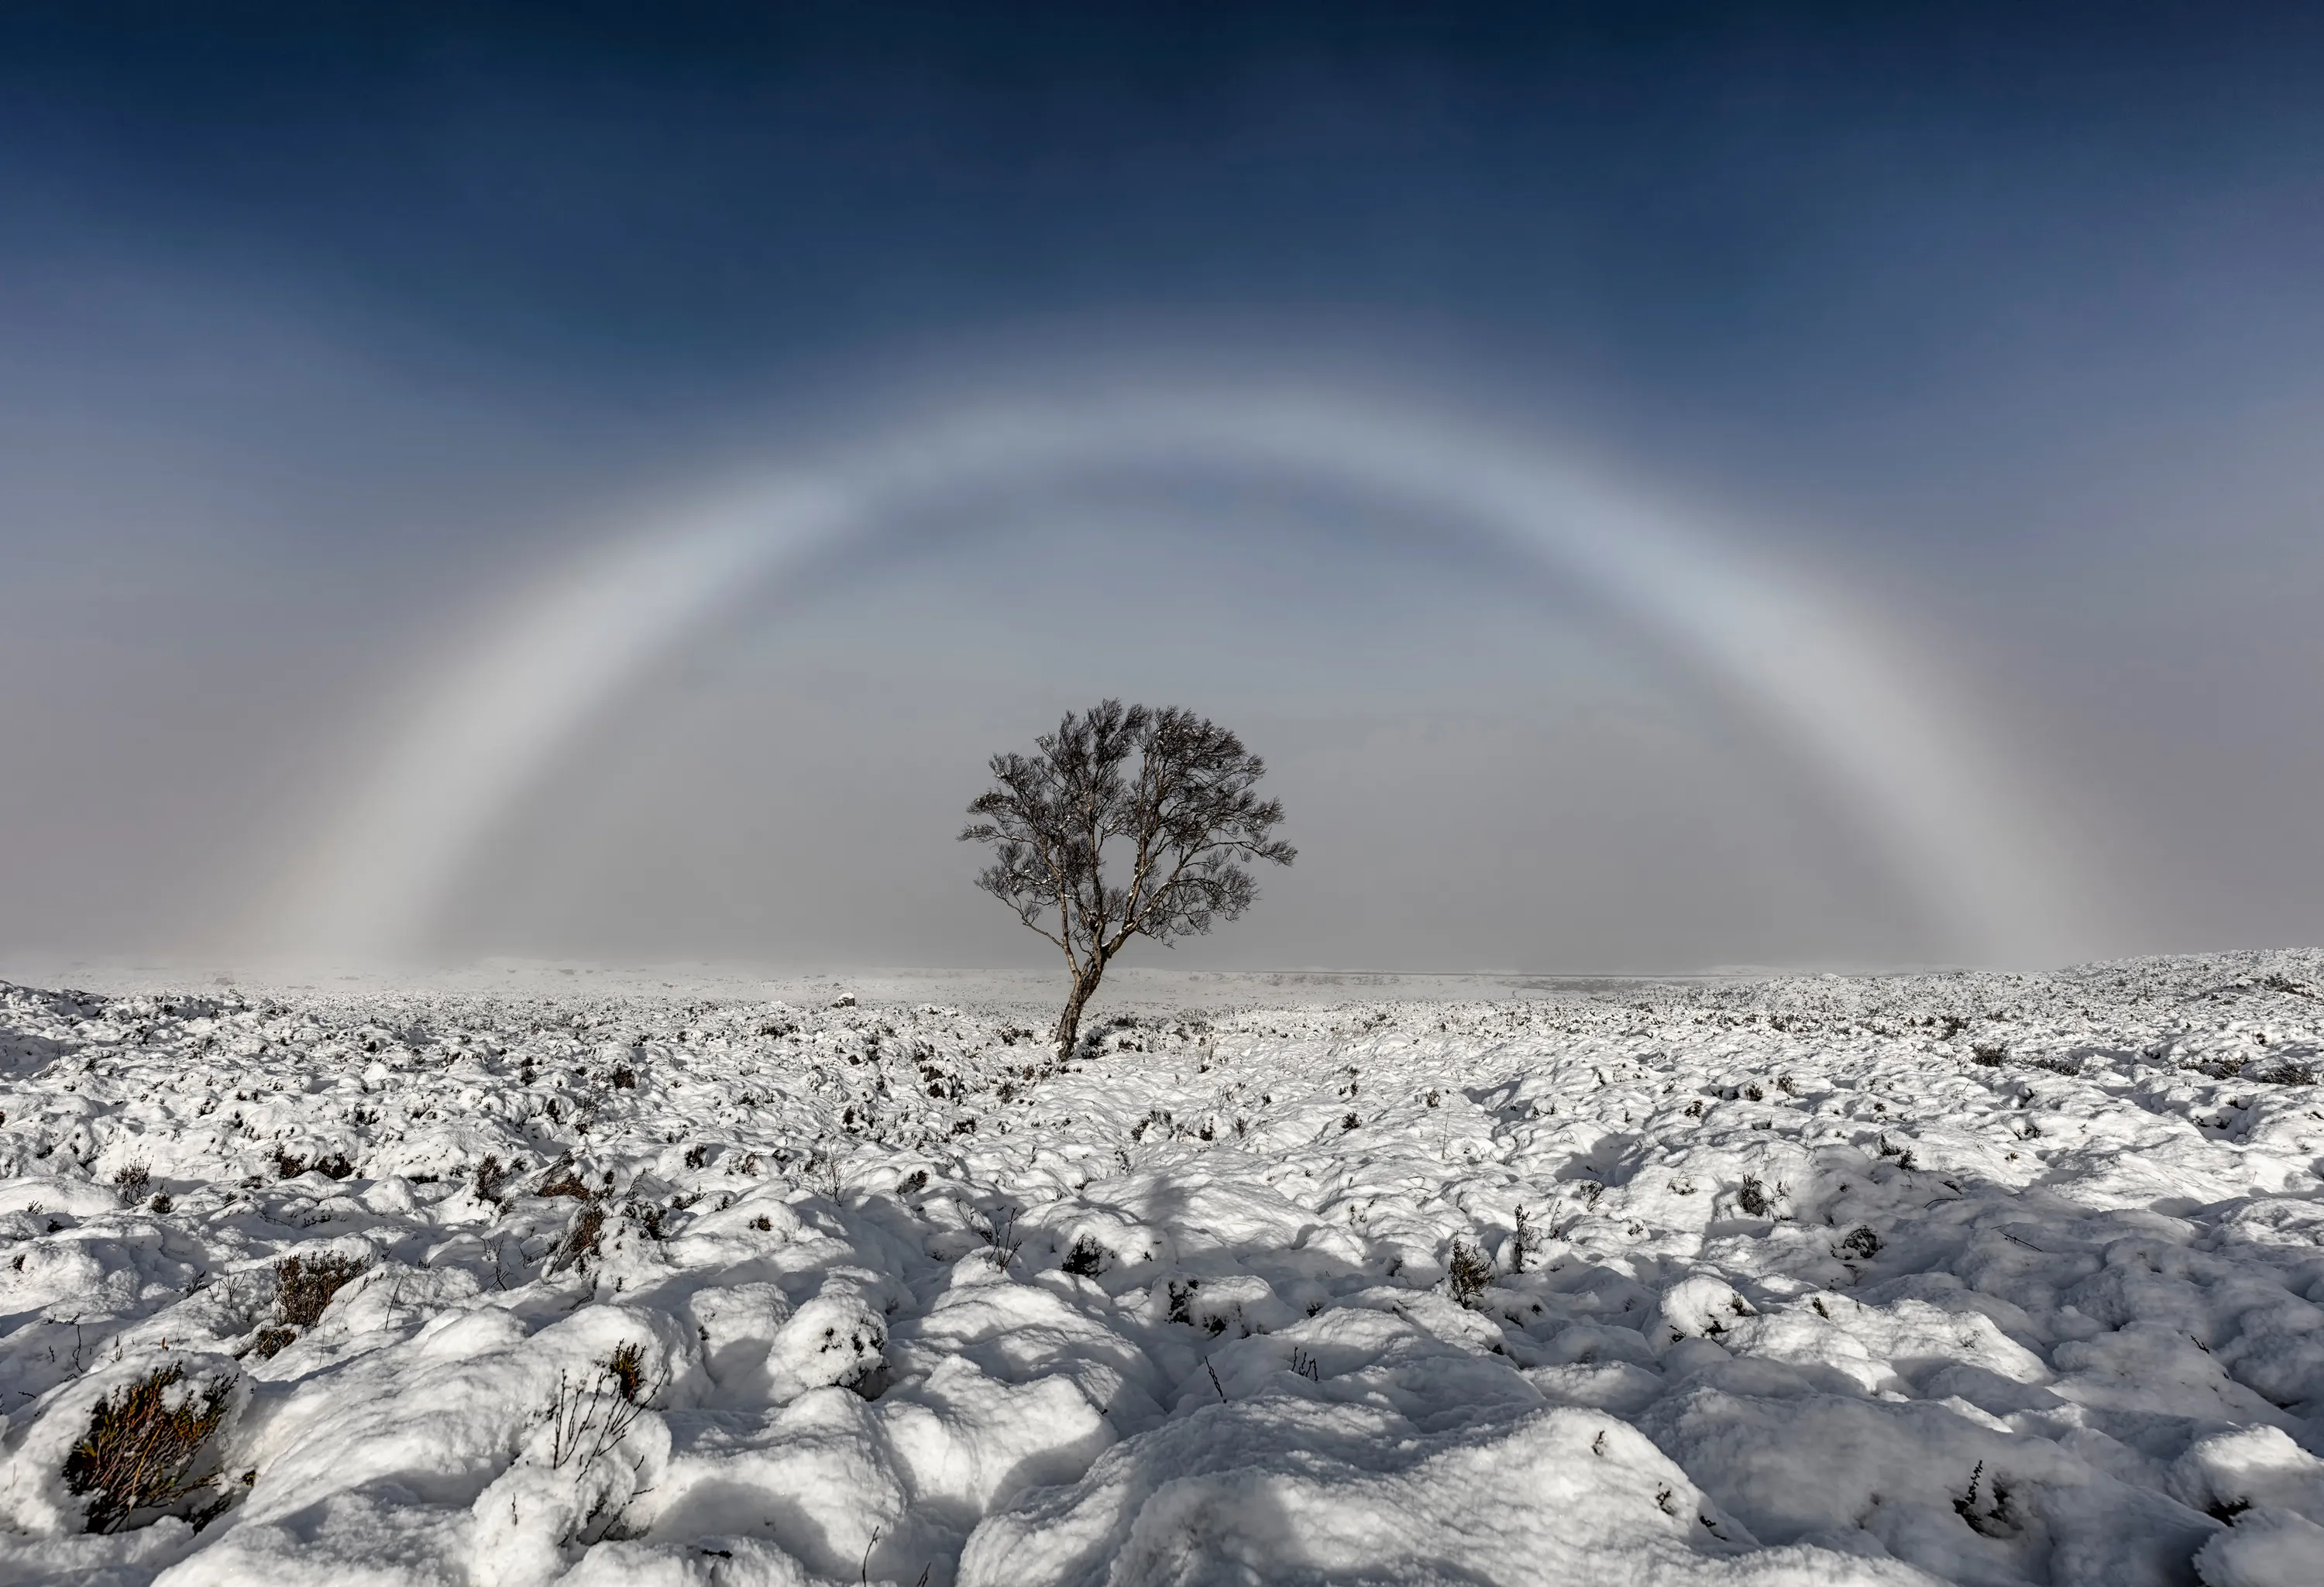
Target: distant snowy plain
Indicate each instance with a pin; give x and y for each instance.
(1967, 1278)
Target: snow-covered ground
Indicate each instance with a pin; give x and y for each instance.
(1983, 1278)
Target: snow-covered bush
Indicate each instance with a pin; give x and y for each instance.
(143, 1441)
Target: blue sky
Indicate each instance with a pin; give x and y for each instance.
(324, 333)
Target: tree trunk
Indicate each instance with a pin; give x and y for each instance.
(1069, 1023)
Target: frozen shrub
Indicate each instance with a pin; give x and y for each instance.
(1753, 1197)
(1087, 1259)
(142, 1441)
(489, 1179)
(697, 1155)
(1988, 1052)
(625, 1078)
(581, 1240)
(272, 1341)
(287, 1167)
(998, 1231)
(132, 1179)
(585, 1421)
(161, 1202)
(561, 1180)
(626, 1367)
(1991, 1515)
(304, 1286)
(1469, 1273)
(1860, 1243)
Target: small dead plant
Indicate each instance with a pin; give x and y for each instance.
(491, 1178)
(592, 1415)
(562, 1180)
(627, 1367)
(304, 1286)
(998, 1231)
(581, 1240)
(1469, 1273)
(142, 1442)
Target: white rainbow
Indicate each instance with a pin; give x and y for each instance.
(1870, 719)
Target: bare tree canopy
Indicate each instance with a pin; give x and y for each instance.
(1128, 822)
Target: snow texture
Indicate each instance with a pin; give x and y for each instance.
(1968, 1278)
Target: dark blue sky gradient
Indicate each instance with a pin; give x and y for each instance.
(1843, 219)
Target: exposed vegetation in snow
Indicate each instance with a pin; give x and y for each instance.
(1980, 1277)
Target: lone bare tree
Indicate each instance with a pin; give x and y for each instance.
(1128, 822)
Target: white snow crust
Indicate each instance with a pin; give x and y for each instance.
(1968, 1278)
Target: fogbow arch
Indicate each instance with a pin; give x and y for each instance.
(1819, 673)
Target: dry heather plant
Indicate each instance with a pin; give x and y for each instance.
(303, 1289)
(562, 1180)
(592, 1415)
(998, 1231)
(491, 1178)
(627, 1367)
(304, 1286)
(142, 1441)
(582, 1239)
(1470, 1271)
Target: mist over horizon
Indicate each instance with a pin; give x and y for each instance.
(1989, 335)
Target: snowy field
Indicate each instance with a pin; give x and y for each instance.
(1975, 1279)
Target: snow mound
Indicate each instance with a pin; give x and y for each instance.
(1965, 1278)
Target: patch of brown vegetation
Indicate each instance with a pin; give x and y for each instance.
(142, 1442)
